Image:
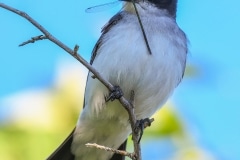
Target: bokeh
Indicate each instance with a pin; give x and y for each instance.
(42, 87)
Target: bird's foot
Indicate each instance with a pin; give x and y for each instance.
(116, 93)
(140, 125)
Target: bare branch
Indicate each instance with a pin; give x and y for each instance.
(129, 106)
(33, 39)
(133, 122)
(60, 44)
(123, 153)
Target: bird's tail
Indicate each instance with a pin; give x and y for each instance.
(63, 152)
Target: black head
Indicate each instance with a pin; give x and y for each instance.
(169, 5)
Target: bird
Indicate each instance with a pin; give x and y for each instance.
(122, 57)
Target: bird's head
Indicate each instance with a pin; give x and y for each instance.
(165, 6)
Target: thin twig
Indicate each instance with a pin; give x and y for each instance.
(121, 152)
(33, 39)
(133, 122)
(141, 25)
(132, 97)
(60, 44)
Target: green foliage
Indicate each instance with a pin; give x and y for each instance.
(167, 123)
(21, 144)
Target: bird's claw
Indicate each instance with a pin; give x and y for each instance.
(116, 93)
(140, 125)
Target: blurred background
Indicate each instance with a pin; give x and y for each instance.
(42, 87)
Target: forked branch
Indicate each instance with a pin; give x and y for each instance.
(46, 35)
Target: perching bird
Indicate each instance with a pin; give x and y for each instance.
(123, 58)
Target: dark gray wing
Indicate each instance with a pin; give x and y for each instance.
(113, 21)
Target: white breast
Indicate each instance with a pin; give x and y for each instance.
(123, 59)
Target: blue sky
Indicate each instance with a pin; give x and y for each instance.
(210, 102)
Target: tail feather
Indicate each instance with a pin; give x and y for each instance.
(63, 152)
(118, 156)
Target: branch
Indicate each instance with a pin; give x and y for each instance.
(126, 104)
(59, 43)
(133, 122)
(123, 153)
(33, 39)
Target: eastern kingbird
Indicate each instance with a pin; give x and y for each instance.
(122, 57)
